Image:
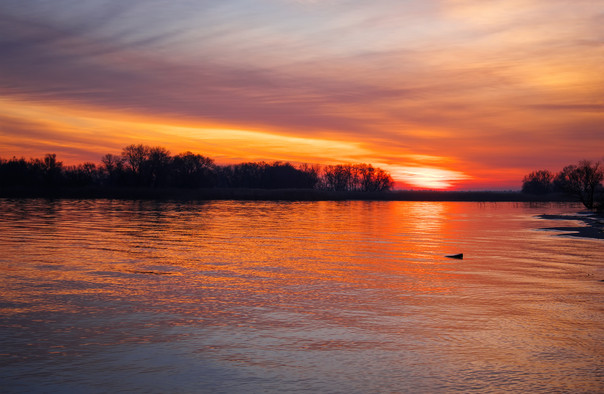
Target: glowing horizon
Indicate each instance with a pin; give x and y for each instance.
(451, 94)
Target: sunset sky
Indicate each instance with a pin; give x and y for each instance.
(460, 94)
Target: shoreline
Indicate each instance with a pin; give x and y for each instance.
(594, 225)
(277, 195)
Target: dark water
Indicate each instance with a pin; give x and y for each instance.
(109, 296)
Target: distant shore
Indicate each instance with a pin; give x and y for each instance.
(276, 194)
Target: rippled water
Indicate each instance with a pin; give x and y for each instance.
(103, 296)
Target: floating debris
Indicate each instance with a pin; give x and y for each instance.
(455, 256)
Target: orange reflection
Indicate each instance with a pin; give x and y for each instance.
(273, 253)
(197, 257)
(243, 277)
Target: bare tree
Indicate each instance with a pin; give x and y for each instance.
(383, 181)
(538, 182)
(51, 169)
(191, 170)
(135, 156)
(357, 177)
(157, 166)
(581, 180)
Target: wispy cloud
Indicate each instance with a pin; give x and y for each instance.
(478, 85)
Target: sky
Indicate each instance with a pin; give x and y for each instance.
(443, 94)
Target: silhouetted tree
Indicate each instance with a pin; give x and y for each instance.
(156, 167)
(50, 169)
(262, 175)
(382, 180)
(141, 165)
(44, 173)
(337, 177)
(134, 158)
(147, 166)
(244, 175)
(15, 172)
(358, 177)
(279, 175)
(112, 168)
(191, 170)
(81, 175)
(372, 179)
(581, 180)
(309, 177)
(538, 182)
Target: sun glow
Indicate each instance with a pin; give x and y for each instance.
(451, 94)
(80, 134)
(92, 133)
(426, 177)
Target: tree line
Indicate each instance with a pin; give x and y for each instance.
(154, 167)
(583, 180)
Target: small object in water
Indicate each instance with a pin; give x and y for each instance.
(455, 256)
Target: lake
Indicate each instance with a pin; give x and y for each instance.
(232, 296)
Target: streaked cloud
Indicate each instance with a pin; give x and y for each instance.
(458, 88)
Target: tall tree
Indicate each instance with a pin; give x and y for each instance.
(112, 168)
(51, 169)
(581, 180)
(135, 156)
(538, 182)
(191, 170)
(156, 166)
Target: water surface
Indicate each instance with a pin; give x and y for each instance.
(104, 296)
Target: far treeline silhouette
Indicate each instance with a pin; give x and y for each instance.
(154, 167)
(582, 180)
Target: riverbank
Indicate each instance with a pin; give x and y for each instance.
(277, 194)
(593, 225)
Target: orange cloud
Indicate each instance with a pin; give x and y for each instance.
(65, 130)
(456, 93)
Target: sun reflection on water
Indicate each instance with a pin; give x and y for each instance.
(345, 294)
